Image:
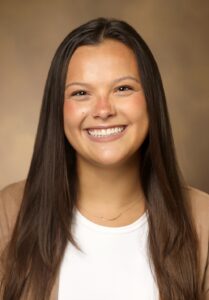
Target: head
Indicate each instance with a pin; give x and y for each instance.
(96, 33)
(105, 113)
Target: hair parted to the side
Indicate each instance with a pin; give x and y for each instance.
(33, 256)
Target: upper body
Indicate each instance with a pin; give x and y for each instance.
(10, 200)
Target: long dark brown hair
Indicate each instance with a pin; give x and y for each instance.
(42, 229)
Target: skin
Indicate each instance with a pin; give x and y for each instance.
(103, 89)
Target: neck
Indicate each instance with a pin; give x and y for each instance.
(107, 191)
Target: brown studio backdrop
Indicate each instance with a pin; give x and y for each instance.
(177, 33)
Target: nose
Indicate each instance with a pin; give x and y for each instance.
(103, 108)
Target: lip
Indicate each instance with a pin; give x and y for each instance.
(106, 138)
(105, 127)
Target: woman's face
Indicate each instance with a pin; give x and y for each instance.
(105, 112)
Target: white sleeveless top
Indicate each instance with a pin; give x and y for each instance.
(113, 264)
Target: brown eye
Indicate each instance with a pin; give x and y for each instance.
(124, 88)
(79, 93)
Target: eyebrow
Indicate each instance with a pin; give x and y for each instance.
(114, 81)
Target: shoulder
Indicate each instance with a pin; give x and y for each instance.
(199, 202)
(13, 190)
(10, 201)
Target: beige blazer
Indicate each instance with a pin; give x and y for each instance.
(10, 199)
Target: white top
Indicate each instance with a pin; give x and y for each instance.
(113, 265)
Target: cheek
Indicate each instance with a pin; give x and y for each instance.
(74, 113)
(137, 108)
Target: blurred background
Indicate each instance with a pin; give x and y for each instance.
(177, 33)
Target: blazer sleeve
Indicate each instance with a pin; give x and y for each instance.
(207, 282)
(200, 211)
(10, 200)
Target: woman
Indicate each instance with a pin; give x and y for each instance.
(104, 213)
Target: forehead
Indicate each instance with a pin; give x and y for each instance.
(103, 59)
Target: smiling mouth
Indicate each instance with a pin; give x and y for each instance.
(105, 132)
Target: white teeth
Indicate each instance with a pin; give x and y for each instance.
(105, 132)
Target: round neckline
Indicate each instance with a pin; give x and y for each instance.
(101, 228)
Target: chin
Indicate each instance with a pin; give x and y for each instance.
(110, 162)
